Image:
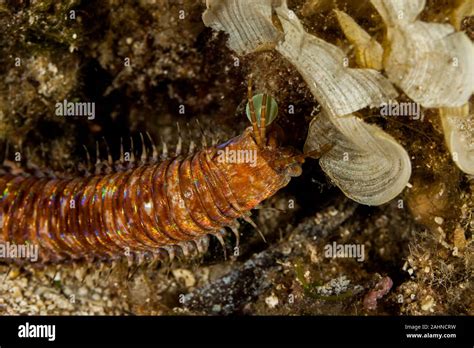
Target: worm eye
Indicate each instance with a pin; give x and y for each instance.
(272, 109)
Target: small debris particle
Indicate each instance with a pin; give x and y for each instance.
(428, 303)
(272, 301)
(334, 286)
(184, 276)
(459, 239)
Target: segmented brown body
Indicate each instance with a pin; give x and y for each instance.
(141, 211)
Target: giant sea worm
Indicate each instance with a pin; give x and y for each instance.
(158, 206)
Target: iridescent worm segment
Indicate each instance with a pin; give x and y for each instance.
(158, 207)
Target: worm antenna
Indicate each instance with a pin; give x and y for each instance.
(263, 114)
(300, 158)
(265, 110)
(316, 153)
(253, 117)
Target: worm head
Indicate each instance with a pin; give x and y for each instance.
(261, 111)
